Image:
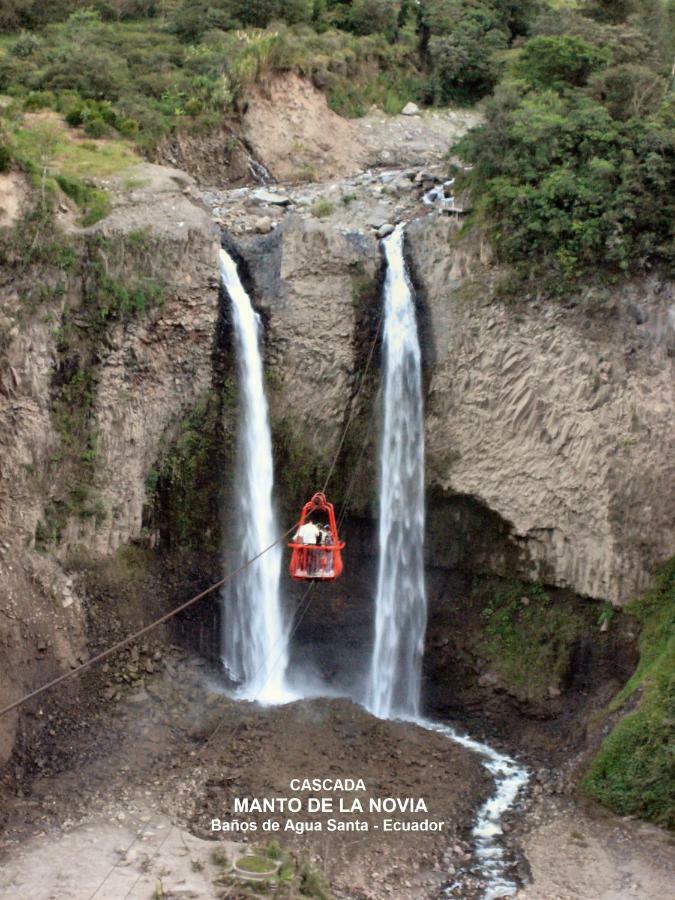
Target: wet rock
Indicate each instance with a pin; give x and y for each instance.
(385, 229)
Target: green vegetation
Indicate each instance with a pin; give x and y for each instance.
(322, 208)
(288, 876)
(255, 864)
(185, 491)
(312, 884)
(528, 636)
(634, 771)
(574, 170)
(142, 69)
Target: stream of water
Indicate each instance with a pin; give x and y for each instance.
(400, 605)
(254, 642)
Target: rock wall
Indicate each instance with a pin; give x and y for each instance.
(306, 278)
(148, 372)
(557, 416)
(551, 420)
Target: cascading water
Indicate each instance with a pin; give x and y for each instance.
(255, 633)
(400, 606)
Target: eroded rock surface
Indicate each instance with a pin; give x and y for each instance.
(557, 417)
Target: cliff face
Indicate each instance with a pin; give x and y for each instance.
(550, 422)
(85, 410)
(556, 416)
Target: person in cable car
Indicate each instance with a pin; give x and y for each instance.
(309, 533)
(316, 547)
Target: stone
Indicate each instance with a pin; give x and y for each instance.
(262, 225)
(410, 109)
(385, 229)
(378, 216)
(264, 197)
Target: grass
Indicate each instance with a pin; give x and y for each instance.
(137, 79)
(255, 864)
(54, 157)
(70, 156)
(634, 771)
(322, 208)
(528, 637)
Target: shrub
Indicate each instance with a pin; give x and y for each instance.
(462, 69)
(5, 158)
(551, 61)
(628, 90)
(561, 184)
(322, 208)
(25, 45)
(367, 17)
(458, 42)
(94, 202)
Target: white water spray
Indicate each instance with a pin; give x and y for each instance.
(400, 606)
(255, 634)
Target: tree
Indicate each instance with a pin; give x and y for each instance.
(560, 184)
(610, 10)
(552, 61)
(12, 13)
(628, 90)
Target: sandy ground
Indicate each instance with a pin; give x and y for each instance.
(574, 855)
(132, 799)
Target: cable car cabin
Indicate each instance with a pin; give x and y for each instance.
(316, 546)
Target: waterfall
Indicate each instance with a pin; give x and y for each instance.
(255, 633)
(400, 606)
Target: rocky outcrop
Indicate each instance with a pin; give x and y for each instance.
(146, 372)
(556, 416)
(553, 416)
(305, 278)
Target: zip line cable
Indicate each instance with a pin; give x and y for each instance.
(104, 654)
(303, 606)
(118, 645)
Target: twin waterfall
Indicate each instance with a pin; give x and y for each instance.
(255, 634)
(400, 606)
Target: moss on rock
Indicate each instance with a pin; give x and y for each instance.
(529, 636)
(634, 771)
(185, 488)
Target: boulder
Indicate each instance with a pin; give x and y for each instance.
(262, 225)
(269, 198)
(410, 109)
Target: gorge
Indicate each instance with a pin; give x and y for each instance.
(546, 438)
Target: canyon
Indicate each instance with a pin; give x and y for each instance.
(548, 428)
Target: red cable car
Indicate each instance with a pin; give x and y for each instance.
(313, 559)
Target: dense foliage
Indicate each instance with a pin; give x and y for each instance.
(574, 169)
(572, 172)
(634, 772)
